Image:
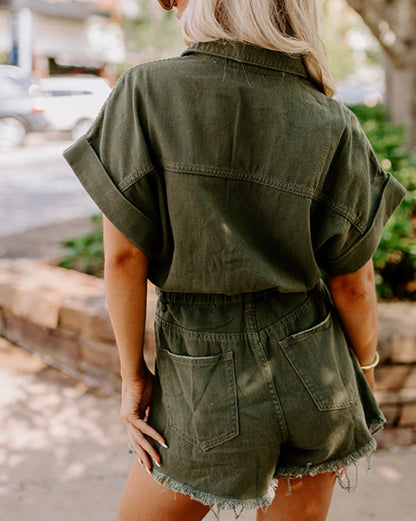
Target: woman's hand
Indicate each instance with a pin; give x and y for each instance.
(135, 404)
(125, 275)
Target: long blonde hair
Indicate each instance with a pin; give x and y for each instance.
(288, 26)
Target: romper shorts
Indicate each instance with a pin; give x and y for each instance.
(255, 387)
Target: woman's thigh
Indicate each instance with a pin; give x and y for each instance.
(309, 499)
(144, 499)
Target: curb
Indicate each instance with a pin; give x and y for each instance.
(61, 315)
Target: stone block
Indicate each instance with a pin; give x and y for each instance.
(396, 397)
(97, 326)
(20, 293)
(408, 415)
(397, 333)
(397, 318)
(402, 349)
(395, 437)
(97, 377)
(72, 317)
(7, 290)
(393, 377)
(36, 291)
(65, 351)
(2, 322)
(103, 355)
(36, 306)
(33, 337)
(392, 413)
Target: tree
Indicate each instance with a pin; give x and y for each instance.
(151, 33)
(393, 22)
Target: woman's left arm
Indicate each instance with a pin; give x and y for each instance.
(125, 275)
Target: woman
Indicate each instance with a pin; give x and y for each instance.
(230, 178)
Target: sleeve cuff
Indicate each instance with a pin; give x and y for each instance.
(128, 219)
(363, 249)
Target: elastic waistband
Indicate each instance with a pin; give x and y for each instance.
(218, 299)
(211, 299)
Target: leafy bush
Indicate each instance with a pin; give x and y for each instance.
(86, 253)
(395, 258)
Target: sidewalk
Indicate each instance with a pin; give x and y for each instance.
(63, 454)
(45, 242)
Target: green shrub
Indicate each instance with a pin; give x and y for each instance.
(86, 253)
(395, 258)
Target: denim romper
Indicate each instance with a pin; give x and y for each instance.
(242, 182)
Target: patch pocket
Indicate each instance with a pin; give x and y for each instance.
(200, 393)
(322, 359)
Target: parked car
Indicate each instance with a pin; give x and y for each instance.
(12, 71)
(72, 102)
(21, 107)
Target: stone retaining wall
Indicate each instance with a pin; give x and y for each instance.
(396, 374)
(61, 315)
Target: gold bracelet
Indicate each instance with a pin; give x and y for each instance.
(373, 364)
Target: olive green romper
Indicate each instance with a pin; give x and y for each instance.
(242, 182)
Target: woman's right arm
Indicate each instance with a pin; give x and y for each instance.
(355, 299)
(125, 276)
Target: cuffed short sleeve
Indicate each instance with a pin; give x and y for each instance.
(349, 232)
(111, 158)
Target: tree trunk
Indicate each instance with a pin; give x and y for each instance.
(401, 75)
(401, 96)
(393, 22)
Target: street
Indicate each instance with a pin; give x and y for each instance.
(37, 187)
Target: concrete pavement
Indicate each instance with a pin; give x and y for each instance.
(44, 243)
(38, 187)
(63, 454)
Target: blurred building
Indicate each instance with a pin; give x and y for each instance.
(53, 36)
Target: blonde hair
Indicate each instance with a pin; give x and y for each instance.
(288, 26)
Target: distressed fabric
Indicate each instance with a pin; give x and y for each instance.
(252, 388)
(234, 174)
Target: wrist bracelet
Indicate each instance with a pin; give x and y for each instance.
(373, 364)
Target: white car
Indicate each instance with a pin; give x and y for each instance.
(72, 102)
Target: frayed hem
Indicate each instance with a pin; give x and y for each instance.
(216, 503)
(377, 425)
(339, 466)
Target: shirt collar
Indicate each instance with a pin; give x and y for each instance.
(251, 55)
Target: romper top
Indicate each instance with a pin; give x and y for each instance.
(233, 173)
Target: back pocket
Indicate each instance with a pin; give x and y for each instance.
(321, 358)
(200, 393)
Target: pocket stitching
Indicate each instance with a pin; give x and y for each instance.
(305, 333)
(177, 329)
(309, 385)
(227, 359)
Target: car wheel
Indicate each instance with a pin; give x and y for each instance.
(12, 132)
(80, 128)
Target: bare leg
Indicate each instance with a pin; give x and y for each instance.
(309, 501)
(146, 500)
